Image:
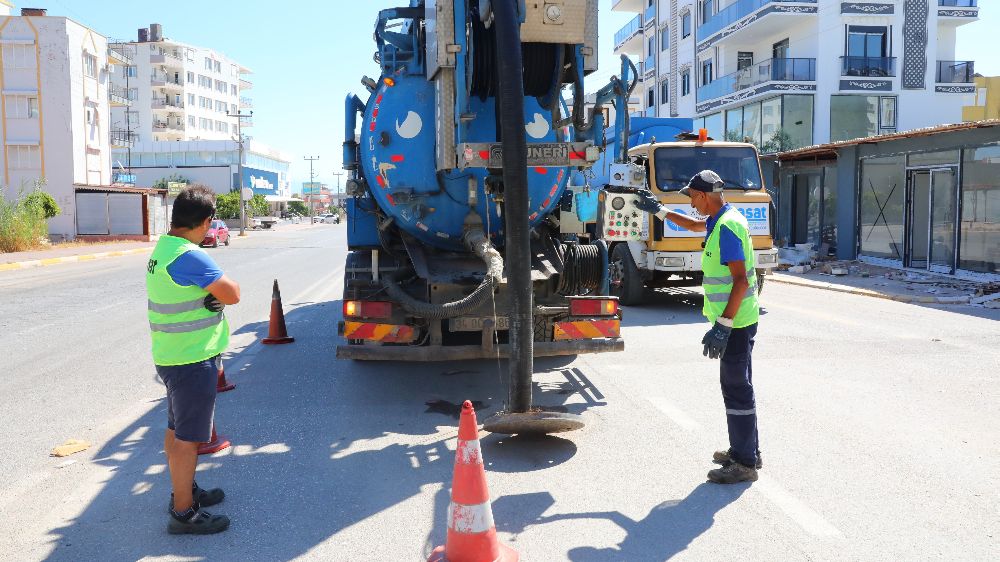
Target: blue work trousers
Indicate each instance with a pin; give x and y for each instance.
(736, 378)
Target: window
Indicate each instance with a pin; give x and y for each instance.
(90, 65)
(21, 107)
(205, 123)
(706, 72)
(650, 97)
(192, 122)
(234, 109)
(686, 24)
(664, 91)
(651, 46)
(132, 118)
(233, 71)
(980, 210)
(883, 188)
(854, 117)
(744, 59)
(131, 71)
(23, 157)
(867, 52)
(208, 63)
(705, 10)
(204, 103)
(19, 56)
(204, 81)
(221, 86)
(218, 67)
(685, 82)
(132, 94)
(664, 39)
(222, 126)
(191, 100)
(190, 77)
(235, 91)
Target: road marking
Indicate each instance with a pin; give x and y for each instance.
(815, 313)
(685, 421)
(810, 521)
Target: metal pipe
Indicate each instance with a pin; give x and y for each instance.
(515, 179)
(352, 107)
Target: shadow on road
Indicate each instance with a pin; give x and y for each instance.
(319, 445)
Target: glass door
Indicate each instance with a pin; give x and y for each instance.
(931, 228)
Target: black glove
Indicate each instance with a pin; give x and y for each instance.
(213, 304)
(647, 202)
(716, 340)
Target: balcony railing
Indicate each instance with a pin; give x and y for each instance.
(955, 71)
(118, 95)
(167, 103)
(121, 137)
(166, 59)
(771, 70)
(868, 66)
(161, 126)
(161, 80)
(246, 102)
(245, 84)
(649, 16)
(628, 30)
(732, 14)
(121, 51)
(649, 66)
(959, 3)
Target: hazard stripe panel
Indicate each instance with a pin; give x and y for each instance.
(385, 333)
(587, 329)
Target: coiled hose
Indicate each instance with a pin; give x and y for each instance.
(583, 270)
(479, 244)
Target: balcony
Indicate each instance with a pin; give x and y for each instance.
(955, 71)
(120, 52)
(245, 102)
(118, 96)
(121, 138)
(959, 3)
(167, 127)
(627, 34)
(743, 8)
(245, 84)
(649, 66)
(158, 80)
(771, 70)
(649, 16)
(878, 67)
(166, 104)
(166, 59)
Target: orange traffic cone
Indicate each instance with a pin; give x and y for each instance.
(276, 331)
(223, 385)
(215, 445)
(472, 536)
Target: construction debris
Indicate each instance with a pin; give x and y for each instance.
(70, 447)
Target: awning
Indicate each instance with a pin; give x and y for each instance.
(281, 199)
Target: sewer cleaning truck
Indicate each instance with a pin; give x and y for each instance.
(662, 154)
(458, 162)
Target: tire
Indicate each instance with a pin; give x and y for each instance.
(215, 244)
(227, 239)
(626, 283)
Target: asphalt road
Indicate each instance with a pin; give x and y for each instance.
(877, 422)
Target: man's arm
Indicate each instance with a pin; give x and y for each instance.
(738, 270)
(225, 290)
(683, 221)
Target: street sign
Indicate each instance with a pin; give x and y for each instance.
(247, 193)
(174, 188)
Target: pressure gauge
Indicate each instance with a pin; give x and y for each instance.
(618, 203)
(553, 12)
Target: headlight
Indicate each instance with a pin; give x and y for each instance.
(767, 258)
(670, 261)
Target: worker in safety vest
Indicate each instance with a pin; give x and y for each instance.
(187, 294)
(730, 286)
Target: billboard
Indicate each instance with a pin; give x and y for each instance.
(262, 182)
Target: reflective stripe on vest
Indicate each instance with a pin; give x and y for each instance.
(183, 327)
(718, 279)
(177, 307)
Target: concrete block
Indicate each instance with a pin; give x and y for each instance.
(799, 269)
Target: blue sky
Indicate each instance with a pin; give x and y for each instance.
(307, 55)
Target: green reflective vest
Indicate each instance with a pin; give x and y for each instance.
(718, 281)
(183, 330)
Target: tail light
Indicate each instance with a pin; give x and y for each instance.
(367, 309)
(593, 307)
(702, 135)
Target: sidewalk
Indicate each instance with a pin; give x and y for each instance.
(892, 284)
(71, 252)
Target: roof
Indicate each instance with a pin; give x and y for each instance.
(829, 150)
(118, 189)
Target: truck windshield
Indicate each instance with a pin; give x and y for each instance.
(736, 165)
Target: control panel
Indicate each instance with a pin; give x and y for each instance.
(621, 221)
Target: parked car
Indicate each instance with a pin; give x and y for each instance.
(217, 232)
(327, 218)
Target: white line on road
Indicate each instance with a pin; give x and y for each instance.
(685, 421)
(812, 522)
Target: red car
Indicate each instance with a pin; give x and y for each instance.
(217, 233)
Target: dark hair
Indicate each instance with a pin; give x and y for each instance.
(192, 206)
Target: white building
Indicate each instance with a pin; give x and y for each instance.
(800, 72)
(178, 91)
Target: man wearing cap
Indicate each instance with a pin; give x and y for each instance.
(730, 304)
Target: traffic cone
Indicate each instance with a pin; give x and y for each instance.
(276, 331)
(472, 536)
(223, 385)
(215, 445)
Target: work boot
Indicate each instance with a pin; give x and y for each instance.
(196, 521)
(202, 497)
(723, 457)
(733, 473)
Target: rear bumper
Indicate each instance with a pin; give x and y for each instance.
(461, 352)
(679, 262)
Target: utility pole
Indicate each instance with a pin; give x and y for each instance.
(312, 183)
(239, 115)
(338, 174)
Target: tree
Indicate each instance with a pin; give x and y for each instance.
(780, 141)
(298, 207)
(42, 203)
(227, 205)
(258, 206)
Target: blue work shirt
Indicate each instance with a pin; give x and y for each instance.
(194, 268)
(730, 245)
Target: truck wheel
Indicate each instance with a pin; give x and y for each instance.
(760, 281)
(626, 284)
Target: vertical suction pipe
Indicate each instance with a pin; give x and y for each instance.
(515, 179)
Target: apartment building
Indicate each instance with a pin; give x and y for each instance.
(792, 73)
(178, 92)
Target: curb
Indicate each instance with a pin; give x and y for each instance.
(71, 259)
(907, 299)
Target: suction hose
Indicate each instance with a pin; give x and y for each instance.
(479, 244)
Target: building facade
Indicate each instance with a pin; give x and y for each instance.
(177, 91)
(986, 104)
(924, 199)
(792, 73)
